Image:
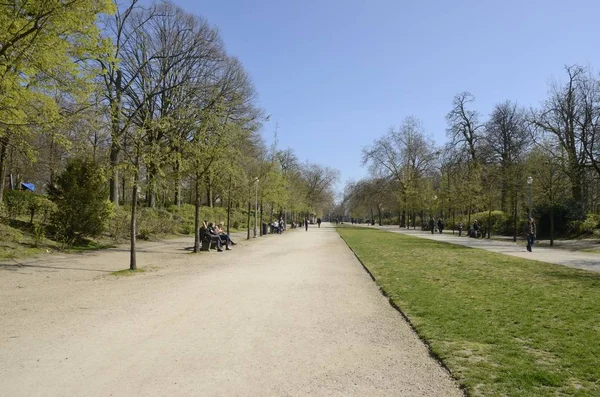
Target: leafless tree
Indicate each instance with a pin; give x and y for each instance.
(563, 116)
(463, 124)
(506, 139)
(406, 155)
(320, 184)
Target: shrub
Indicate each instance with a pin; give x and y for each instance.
(41, 208)
(80, 194)
(567, 220)
(501, 222)
(184, 215)
(16, 202)
(119, 223)
(590, 224)
(153, 222)
(20, 203)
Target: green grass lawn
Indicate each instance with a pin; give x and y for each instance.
(504, 326)
(15, 244)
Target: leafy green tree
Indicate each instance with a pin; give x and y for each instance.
(42, 46)
(80, 194)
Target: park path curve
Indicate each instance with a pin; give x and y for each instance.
(579, 260)
(283, 315)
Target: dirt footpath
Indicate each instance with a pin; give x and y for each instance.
(288, 315)
(559, 256)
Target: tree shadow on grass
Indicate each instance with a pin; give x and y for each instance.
(574, 275)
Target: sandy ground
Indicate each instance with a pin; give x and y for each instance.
(561, 255)
(284, 315)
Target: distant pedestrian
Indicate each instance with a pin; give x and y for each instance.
(319, 222)
(460, 228)
(475, 229)
(440, 225)
(432, 225)
(306, 224)
(531, 233)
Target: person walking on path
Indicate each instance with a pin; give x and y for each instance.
(531, 232)
(319, 222)
(432, 225)
(306, 224)
(460, 227)
(440, 225)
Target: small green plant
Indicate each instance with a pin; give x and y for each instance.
(39, 233)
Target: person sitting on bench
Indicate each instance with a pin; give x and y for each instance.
(275, 227)
(224, 236)
(215, 234)
(205, 231)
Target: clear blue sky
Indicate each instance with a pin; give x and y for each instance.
(335, 75)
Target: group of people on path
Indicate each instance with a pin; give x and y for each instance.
(216, 235)
(220, 237)
(440, 225)
(475, 230)
(306, 222)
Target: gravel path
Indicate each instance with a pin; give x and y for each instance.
(288, 315)
(580, 260)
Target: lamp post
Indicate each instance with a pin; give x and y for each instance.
(255, 205)
(529, 183)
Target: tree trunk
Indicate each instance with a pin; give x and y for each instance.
(3, 148)
(229, 206)
(261, 219)
(151, 198)
(379, 215)
(209, 191)
(115, 133)
(248, 236)
(469, 216)
(552, 225)
(178, 183)
(133, 229)
(515, 218)
(489, 225)
(503, 192)
(114, 180)
(124, 182)
(197, 216)
(453, 221)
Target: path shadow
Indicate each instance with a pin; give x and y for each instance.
(17, 266)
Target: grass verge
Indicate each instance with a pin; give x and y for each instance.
(127, 272)
(504, 326)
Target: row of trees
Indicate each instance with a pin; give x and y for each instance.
(150, 94)
(486, 164)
